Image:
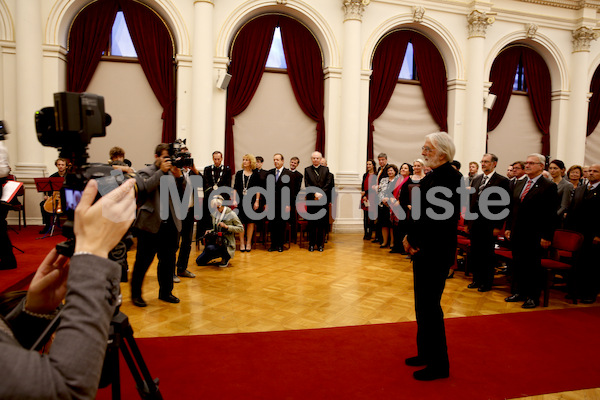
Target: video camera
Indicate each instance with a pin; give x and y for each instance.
(69, 126)
(180, 158)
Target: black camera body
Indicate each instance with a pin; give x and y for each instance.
(180, 158)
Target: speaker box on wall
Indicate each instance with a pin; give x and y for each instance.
(223, 81)
(489, 101)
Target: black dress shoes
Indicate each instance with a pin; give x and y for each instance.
(138, 302)
(588, 300)
(169, 299)
(272, 249)
(280, 249)
(483, 288)
(473, 285)
(431, 373)
(321, 248)
(311, 248)
(415, 362)
(530, 303)
(514, 298)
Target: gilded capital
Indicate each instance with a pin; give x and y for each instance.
(478, 23)
(582, 38)
(354, 9)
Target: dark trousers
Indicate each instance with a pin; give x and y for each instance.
(482, 256)
(162, 244)
(528, 274)
(368, 224)
(185, 247)
(429, 282)
(211, 252)
(277, 229)
(7, 258)
(317, 228)
(587, 271)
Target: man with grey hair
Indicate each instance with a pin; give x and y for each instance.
(431, 242)
(317, 176)
(530, 227)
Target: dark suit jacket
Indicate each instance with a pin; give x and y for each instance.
(584, 212)
(296, 182)
(222, 179)
(535, 217)
(318, 177)
(279, 185)
(498, 181)
(436, 238)
(148, 216)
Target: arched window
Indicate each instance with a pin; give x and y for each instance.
(120, 44)
(276, 59)
(409, 70)
(520, 85)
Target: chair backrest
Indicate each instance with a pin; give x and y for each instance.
(567, 240)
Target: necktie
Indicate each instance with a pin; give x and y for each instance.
(526, 190)
(277, 176)
(483, 183)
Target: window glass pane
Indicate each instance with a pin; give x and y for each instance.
(276, 57)
(121, 44)
(407, 70)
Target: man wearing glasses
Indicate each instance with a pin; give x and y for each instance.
(530, 227)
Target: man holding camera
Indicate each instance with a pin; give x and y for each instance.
(156, 236)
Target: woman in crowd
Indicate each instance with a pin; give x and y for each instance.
(368, 181)
(574, 175)
(557, 173)
(246, 178)
(400, 199)
(418, 171)
(384, 194)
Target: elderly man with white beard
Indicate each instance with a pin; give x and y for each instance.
(431, 242)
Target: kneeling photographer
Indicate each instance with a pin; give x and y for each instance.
(219, 242)
(73, 366)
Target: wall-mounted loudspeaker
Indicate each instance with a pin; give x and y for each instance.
(223, 81)
(489, 101)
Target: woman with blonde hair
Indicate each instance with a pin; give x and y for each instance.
(245, 179)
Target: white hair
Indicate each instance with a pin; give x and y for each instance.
(443, 143)
(540, 157)
(217, 201)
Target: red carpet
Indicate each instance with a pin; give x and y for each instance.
(28, 262)
(492, 357)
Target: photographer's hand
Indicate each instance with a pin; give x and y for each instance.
(100, 226)
(165, 164)
(49, 285)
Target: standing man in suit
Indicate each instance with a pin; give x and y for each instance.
(518, 171)
(156, 236)
(382, 160)
(283, 180)
(215, 176)
(530, 227)
(296, 187)
(431, 242)
(583, 217)
(317, 176)
(482, 229)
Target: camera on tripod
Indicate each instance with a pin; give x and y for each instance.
(180, 158)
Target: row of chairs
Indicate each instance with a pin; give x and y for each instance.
(561, 257)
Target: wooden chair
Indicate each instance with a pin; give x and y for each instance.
(19, 205)
(563, 255)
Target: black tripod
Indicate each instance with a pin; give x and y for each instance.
(121, 338)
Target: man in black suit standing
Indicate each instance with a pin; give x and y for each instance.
(530, 227)
(283, 181)
(296, 187)
(584, 217)
(431, 242)
(482, 228)
(215, 176)
(317, 176)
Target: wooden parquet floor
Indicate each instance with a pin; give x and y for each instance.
(353, 282)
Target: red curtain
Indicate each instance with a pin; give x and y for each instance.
(502, 76)
(594, 107)
(154, 48)
(432, 74)
(87, 40)
(304, 66)
(248, 60)
(537, 77)
(538, 81)
(387, 62)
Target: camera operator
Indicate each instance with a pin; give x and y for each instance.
(73, 365)
(155, 236)
(220, 240)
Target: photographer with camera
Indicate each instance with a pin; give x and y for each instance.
(73, 365)
(220, 240)
(156, 236)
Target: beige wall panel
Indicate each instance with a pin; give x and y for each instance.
(592, 147)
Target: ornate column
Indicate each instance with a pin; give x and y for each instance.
(571, 141)
(29, 86)
(203, 84)
(473, 141)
